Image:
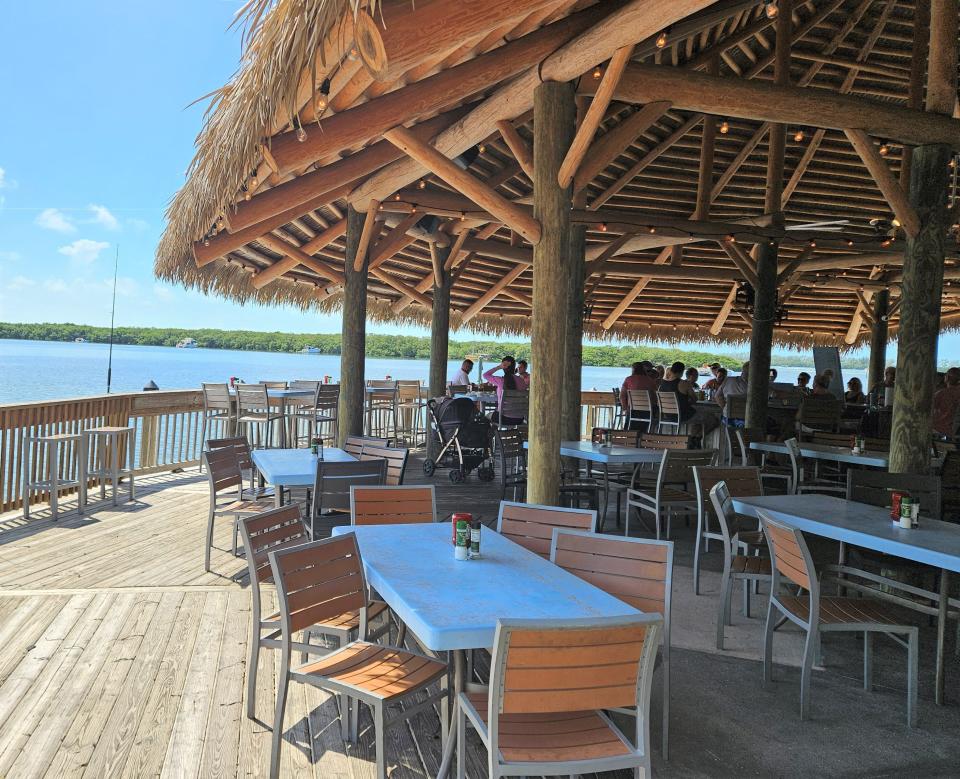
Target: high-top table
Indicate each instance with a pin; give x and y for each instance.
(934, 543)
(282, 468)
(839, 454)
(280, 397)
(453, 605)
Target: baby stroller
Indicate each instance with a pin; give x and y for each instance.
(466, 439)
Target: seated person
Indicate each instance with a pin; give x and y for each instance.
(640, 378)
(946, 403)
(673, 381)
(821, 385)
(692, 376)
(854, 393)
(732, 385)
(462, 376)
(803, 382)
(719, 376)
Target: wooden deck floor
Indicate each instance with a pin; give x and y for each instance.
(120, 657)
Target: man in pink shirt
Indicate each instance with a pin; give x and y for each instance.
(641, 378)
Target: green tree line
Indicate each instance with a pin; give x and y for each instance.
(385, 346)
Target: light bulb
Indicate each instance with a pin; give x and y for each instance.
(662, 39)
(813, 244)
(321, 104)
(724, 127)
(603, 227)
(254, 181)
(301, 134)
(422, 184)
(651, 230)
(597, 72)
(246, 195)
(771, 9)
(206, 241)
(352, 56)
(482, 148)
(220, 223)
(798, 135)
(884, 149)
(731, 238)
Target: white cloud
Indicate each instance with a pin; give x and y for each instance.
(20, 282)
(102, 216)
(83, 250)
(137, 223)
(56, 220)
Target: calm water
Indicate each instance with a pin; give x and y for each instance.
(45, 370)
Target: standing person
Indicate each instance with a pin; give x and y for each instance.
(508, 381)
(946, 403)
(462, 376)
(523, 376)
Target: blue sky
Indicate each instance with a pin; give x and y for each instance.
(96, 137)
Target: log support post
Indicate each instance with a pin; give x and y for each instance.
(440, 322)
(553, 131)
(573, 358)
(923, 260)
(878, 339)
(353, 341)
(765, 298)
(920, 312)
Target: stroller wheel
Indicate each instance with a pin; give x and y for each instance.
(457, 476)
(429, 466)
(485, 474)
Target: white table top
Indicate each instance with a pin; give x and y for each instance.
(597, 453)
(840, 454)
(294, 467)
(933, 543)
(455, 604)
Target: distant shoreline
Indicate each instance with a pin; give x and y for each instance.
(398, 347)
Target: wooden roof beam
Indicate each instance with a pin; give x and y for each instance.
(401, 287)
(886, 182)
(287, 249)
(521, 151)
(763, 101)
(633, 21)
(481, 303)
(638, 287)
(394, 241)
(280, 267)
(402, 36)
(725, 309)
(366, 236)
(479, 192)
(594, 115)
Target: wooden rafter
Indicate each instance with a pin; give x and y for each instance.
(885, 180)
(366, 235)
(501, 284)
(287, 249)
(518, 147)
(638, 287)
(279, 268)
(394, 241)
(725, 310)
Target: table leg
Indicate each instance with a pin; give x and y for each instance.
(942, 633)
(450, 737)
(606, 491)
(277, 495)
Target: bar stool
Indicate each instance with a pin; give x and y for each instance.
(107, 441)
(381, 407)
(54, 482)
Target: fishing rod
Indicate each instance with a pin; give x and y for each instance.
(113, 312)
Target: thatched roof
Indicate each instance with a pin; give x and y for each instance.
(299, 49)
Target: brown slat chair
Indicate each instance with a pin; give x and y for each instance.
(242, 448)
(226, 494)
(354, 443)
(331, 486)
(532, 526)
(638, 571)
(217, 407)
(738, 563)
(818, 413)
(319, 581)
(395, 458)
(274, 531)
(408, 505)
(664, 441)
(816, 614)
(534, 720)
(741, 483)
(673, 488)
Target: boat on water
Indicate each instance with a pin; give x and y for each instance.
(310, 350)
(187, 343)
(79, 340)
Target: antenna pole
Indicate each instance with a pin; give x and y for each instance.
(113, 312)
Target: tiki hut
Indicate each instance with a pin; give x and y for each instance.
(762, 171)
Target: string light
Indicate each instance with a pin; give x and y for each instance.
(652, 229)
(603, 227)
(352, 56)
(254, 181)
(422, 184)
(771, 9)
(597, 72)
(884, 149)
(413, 209)
(730, 238)
(799, 135)
(397, 196)
(482, 148)
(724, 127)
(813, 244)
(895, 222)
(246, 195)
(220, 223)
(885, 243)
(301, 134)
(849, 242)
(324, 94)
(206, 241)
(463, 215)
(662, 38)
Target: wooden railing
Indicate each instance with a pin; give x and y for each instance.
(167, 426)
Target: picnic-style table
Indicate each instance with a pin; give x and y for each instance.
(453, 605)
(934, 543)
(606, 456)
(284, 468)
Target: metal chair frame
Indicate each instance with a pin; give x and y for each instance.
(675, 469)
(791, 561)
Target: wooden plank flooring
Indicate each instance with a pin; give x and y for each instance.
(120, 657)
